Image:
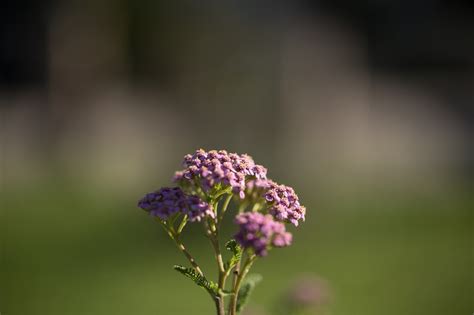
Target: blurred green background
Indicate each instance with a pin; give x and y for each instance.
(67, 250)
(101, 100)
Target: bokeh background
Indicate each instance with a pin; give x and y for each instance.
(364, 107)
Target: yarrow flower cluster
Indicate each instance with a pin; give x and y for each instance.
(208, 183)
(259, 232)
(284, 203)
(166, 202)
(219, 167)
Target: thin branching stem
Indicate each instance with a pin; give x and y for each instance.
(175, 237)
(243, 206)
(220, 305)
(213, 234)
(188, 255)
(238, 281)
(256, 207)
(182, 224)
(224, 209)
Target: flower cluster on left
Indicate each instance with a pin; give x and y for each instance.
(205, 188)
(166, 202)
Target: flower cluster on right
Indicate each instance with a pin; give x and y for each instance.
(259, 232)
(264, 228)
(208, 174)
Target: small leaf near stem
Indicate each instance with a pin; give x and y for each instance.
(248, 284)
(200, 280)
(236, 251)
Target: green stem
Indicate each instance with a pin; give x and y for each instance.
(188, 255)
(224, 208)
(181, 247)
(238, 281)
(213, 235)
(220, 262)
(220, 307)
(256, 207)
(243, 206)
(223, 192)
(182, 224)
(236, 272)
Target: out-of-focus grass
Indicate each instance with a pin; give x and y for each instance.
(65, 251)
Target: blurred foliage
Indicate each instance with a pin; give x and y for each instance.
(70, 250)
(248, 285)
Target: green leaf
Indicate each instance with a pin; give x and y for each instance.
(246, 289)
(236, 250)
(201, 281)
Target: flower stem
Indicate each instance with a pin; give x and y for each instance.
(256, 207)
(175, 237)
(219, 300)
(238, 281)
(182, 224)
(213, 235)
(188, 255)
(243, 206)
(221, 270)
(224, 209)
(236, 272)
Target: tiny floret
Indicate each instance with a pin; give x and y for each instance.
(260, 232)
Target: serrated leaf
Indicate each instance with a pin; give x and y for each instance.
(236, 250)
(201, 281)
(246, 289)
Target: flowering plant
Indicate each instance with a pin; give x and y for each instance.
(205, 187)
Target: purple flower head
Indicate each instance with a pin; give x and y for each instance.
(209, 168)
(166, 202)
(259, 232)
(284, 204)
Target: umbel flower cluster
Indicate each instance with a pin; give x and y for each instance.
(204, 190)
(169, 201)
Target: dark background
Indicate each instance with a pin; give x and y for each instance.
(364, 107)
